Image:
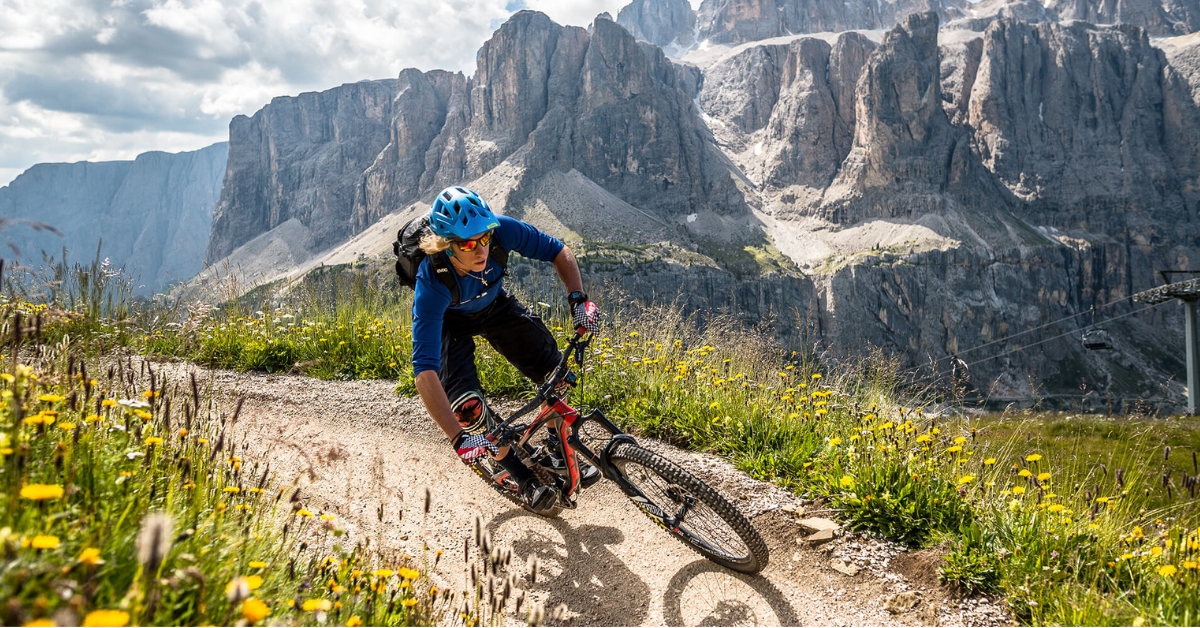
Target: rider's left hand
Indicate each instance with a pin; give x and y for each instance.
(585, 315)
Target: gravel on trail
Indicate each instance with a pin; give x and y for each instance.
(356, 446)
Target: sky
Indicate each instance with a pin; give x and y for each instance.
(101, 80)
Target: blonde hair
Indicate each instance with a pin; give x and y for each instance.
(433, 243)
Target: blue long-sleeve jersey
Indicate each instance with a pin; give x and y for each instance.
(432, 299)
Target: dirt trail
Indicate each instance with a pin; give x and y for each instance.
(357, 445)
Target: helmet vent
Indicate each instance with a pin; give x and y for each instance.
(472, 213)
(457, 207)
(446, 195)
(461, 191)
(445, 211)
(473, 201)
(464, 221)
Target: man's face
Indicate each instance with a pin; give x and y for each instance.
(474, 259)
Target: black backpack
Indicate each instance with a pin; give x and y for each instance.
(407, 248)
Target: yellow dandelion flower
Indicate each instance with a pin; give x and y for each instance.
(183, 432)
(254, 610)
(958, 440)
(50, 398)
(44, 541)
(327, 517)
(1190, 564)
(835, 441)
(317, 605)
(354, 621)
(109, 403)
(382, 573)
(1025, 473)
(1126, 556)
(256, 564)
(153, 440)
(1017, 490)
(39, 623)
(38, 492)
(408, 574)
(847, 482)
(232, 489)
(409, 603)
(1167, 571)
(954, 449)
(1156, 551)
(816, 376)
(106, 618)
(1056, 508)
(90, 556)
(1033, 457)
(966, 479)
(924, 438)
(1043, 476)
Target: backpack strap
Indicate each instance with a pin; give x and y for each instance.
(445, 274)
(499, 255)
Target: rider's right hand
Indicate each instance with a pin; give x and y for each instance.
(471, 446)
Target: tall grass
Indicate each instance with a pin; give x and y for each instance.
(1068, 531)
(125, 500)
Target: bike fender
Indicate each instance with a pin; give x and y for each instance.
(606, 468)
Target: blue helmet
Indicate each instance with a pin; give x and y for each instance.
(459, 213)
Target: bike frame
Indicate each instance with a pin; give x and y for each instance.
(564, 418)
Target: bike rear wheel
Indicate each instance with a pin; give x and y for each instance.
(711, 525)
(498, 479)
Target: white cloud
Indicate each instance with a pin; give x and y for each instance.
(108, 79)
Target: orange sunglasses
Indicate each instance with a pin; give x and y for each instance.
(466, 246)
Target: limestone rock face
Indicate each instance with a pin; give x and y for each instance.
(428, 110)
(740, 21)
(301, 157)
(1075, 119)
(788, 110)
(660, 22)
(153, 214)
(1158, 17)
(547, 97)
(905, 153)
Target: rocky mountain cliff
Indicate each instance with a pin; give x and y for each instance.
(675, 26)
(930, 191)
(300, 157)
(153, 214)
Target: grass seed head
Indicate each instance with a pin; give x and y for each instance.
(154, 541)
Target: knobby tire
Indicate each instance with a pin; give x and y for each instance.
(713, 528)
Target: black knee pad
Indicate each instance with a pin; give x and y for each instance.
(473, 413)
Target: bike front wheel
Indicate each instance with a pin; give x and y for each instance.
(709, 523)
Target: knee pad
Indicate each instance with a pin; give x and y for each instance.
(473, 413)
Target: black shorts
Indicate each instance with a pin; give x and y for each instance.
(511, 328)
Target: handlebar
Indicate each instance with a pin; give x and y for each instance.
(575, 349)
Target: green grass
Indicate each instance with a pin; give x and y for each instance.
(1066, 516)
(122, 502)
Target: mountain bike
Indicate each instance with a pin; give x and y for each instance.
(673, 498)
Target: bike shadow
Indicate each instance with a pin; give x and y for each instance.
(578, 569)
(721, 597)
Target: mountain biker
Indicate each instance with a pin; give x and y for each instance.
(443, 355)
